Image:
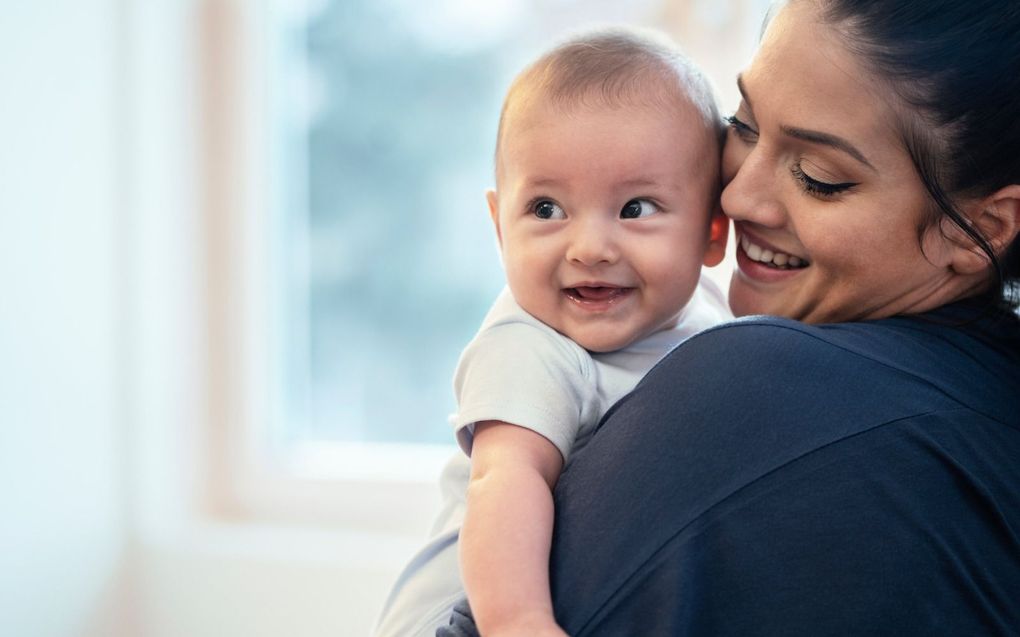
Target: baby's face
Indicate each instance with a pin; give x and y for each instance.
(603, 216)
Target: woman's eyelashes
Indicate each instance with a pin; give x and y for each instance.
(548, 210)
(741, 128)
(822, 189)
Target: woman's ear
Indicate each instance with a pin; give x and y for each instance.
(997, 218)
(493, 199)
(718, 232)
(1000, 221)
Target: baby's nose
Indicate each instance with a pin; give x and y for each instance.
(593, 244)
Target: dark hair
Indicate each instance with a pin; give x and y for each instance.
(956, 65)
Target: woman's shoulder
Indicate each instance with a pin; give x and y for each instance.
(762, 340)
(855, 337)
(778, 368)
(902, 341)
(970, 365)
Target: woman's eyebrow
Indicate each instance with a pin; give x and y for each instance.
(826, 139)
(814, 137)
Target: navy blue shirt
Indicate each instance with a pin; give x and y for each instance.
(775, 478)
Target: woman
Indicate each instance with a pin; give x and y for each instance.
(855, 470)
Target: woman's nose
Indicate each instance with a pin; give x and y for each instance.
(752, 186)
(592, 243)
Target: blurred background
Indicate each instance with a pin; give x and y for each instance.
(241, 247)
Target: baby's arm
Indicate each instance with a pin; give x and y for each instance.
(507, 530)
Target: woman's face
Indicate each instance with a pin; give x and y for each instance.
(825, 200)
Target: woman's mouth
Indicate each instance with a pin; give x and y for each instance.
(769, 257)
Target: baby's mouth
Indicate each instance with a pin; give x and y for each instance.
(596, 294)
(771, 258)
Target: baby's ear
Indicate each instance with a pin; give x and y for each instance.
(718, 232)
(493, 199)
(996, 217)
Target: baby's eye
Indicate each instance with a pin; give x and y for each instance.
(546, 209)
(637, 208)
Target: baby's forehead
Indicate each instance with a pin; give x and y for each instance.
(556, 90)
(650, 87)
(601, 148)
(533, 108)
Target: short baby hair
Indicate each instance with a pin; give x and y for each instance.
(613, 67)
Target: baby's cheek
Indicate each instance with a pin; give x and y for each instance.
(678, 286)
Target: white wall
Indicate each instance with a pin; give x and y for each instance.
(62, 505)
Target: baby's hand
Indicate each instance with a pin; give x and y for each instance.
(528, 626)
(462, 624)
(551, 630)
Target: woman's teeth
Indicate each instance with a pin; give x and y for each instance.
(777, 259)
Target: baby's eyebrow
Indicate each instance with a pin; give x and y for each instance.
(630, 183)
(664, 185)
(540, 182)
(639, 182)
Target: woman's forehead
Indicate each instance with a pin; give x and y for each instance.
(804, 78)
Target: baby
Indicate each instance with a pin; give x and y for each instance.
(605, 208)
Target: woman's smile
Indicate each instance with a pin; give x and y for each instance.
(761, 252)
(764, 262)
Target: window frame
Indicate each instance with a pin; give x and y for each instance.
(364, 487)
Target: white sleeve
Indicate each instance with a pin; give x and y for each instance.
(525, 376)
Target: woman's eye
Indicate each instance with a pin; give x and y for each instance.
(637, 208)
(822, 189)
(743, 131)
(548, 210)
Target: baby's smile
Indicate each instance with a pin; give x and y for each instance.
(597, 297)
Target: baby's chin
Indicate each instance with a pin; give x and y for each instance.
(598, 335)
(603, 341)
(597, 339)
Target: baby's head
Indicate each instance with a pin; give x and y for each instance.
(607, 187)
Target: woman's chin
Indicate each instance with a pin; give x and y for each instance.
(741, 305)
(746, 299)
